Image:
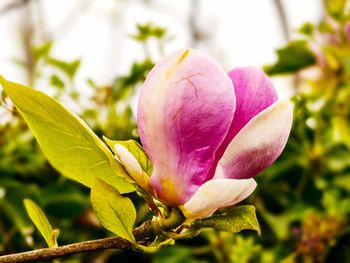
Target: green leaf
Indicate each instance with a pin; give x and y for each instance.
(343, 182)
(335, 8)
(64, 201)
(156, 245)
(148, 30)
(280, 223)
(56, 81)
(136, 150)
(67, 142)
(42, 50)
(176, 254)
(115, 212)
(69, 68)
(307, 29)
(235, 220)
(42, 224)
(295, 56)
(123, 85)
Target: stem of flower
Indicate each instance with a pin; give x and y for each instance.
(172, 220)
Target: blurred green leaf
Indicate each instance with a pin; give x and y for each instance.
(11, 206)
(56, 81)
(307, 29)
(115, 212)
(295, 56)
(343, 182)
(235, 220)
(42, 50)
(280, 223)
(177, 254)
(148, 30)
(67, 142)
(124, 85)
(64, 201)
(40, 221)
(335, 8)
(290, 258)
(326, 27)
(136, 150)
(17, 216)
(242, 250)
(69, 68)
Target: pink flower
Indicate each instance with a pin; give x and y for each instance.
(207, 132)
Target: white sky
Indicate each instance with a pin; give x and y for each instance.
(242, 32)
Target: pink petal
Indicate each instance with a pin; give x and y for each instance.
(215, 194)
(258, 144)
(254, 93)
(185, 110)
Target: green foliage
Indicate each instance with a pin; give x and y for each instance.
(63, 201)
(306, 29)
(41, 54)
(178, 254)
(335, 8)
(136, 150)
(69, 68)
(312, 209)
(56, 81)
(23, 166)
(67, 142)
(243, 250)
(149, 30)
(115, 212)
(42, 51)
(235, 220)
(79, 154)
(40, 221)
(137, 74)
(11, 205)
(296, 55)
(302, 200)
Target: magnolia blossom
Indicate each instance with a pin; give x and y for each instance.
(208, 132)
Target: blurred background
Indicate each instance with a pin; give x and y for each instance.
(94, 55)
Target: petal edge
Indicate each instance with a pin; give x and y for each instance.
(258, 144)
(215, 194)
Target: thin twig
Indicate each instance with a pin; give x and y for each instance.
(283, 19)
(75, 14)
(56, 252)
(26, 29)
(142, 233)
(196, 33)
(14, 5)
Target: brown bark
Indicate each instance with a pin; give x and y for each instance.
(143, 234)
